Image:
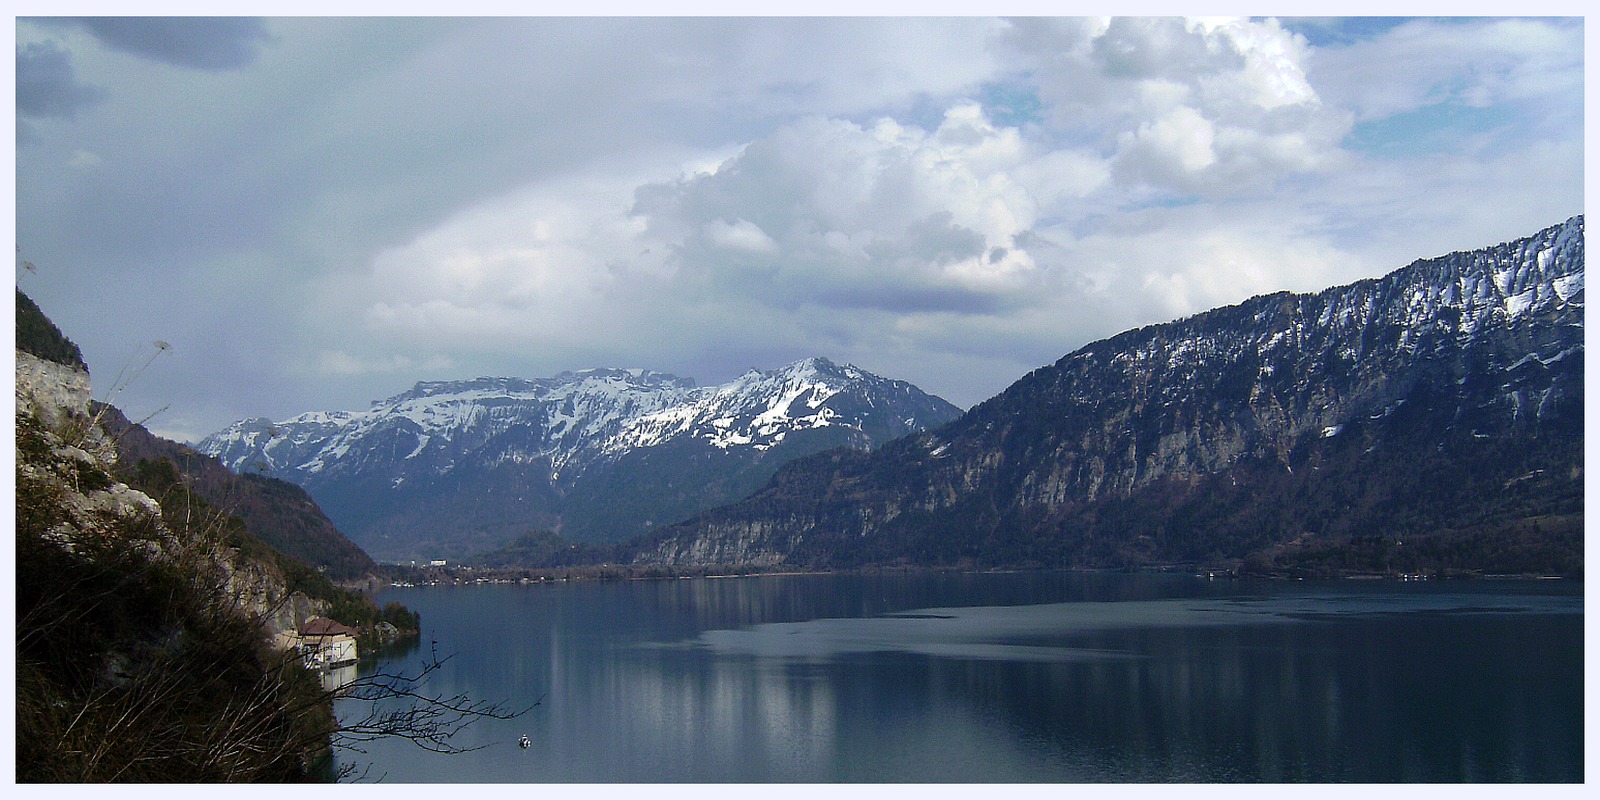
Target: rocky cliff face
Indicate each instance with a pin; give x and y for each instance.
(1132, 449)
(65, 456)
(455, 468)
(48, 390)
(144, 642)
(70, 454)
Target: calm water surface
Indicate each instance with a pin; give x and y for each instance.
(1030, 677)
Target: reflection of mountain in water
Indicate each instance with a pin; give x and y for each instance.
(1058, 677)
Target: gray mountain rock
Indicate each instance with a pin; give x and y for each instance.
(1442, 400)
(455, 468)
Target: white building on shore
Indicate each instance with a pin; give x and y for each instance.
(325, 644)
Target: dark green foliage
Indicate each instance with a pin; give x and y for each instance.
(1471, 504)
(263, 499)
(1541, 546)
(126, 673)
(136, 662)
(411, 525)
(284, 516)
(401, 617)
(37, 335)
(39, 507)
(657, 486)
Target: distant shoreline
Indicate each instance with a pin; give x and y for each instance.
(468, 576)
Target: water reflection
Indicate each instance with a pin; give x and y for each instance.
(336, 678)
(980, 632)
(1043, 678)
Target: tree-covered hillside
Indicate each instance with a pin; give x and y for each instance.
(277, 512)
(36, 334)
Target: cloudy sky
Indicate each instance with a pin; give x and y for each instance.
(316, 213)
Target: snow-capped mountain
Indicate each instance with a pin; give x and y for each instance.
(1440, 405)
(561, 422)
(496, 456)
(759, 409)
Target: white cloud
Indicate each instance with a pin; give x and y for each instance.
(1472, 62)
(1194, 259)
(1171, 149)
(813, 239)
(740, 235)
(1208, 106)
(953, 200)
(531, 267)
(825, 234)
(1272, 74)
(845, 215)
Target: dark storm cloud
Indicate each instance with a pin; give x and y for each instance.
(209, 43)
(47, 85)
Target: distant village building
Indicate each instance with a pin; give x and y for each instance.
(327, 644)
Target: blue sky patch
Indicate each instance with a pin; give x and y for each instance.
(1436, 129)
(1011, 105)
(1341, 31)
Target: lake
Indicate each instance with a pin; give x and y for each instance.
(1011, 677)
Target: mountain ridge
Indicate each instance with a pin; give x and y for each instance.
(1485, 343)
(483, 460)
(277, 512)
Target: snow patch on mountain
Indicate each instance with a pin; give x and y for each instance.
(756, 409)
(567, 422)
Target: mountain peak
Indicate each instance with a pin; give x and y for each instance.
(545, 439)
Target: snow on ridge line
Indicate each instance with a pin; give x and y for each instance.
(715, 416)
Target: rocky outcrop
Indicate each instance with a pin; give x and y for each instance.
(67, 460)
(49, 390)
(152, 630)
